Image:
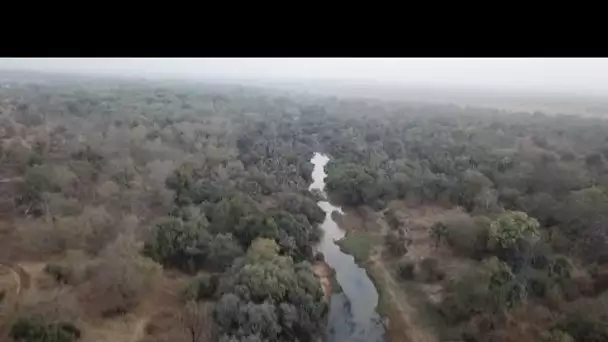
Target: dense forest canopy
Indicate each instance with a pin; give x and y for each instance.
(113, 179)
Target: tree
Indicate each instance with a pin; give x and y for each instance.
(512, 236)
(184, 245)
(195, 318)
(512, 227)
(352, 184)
(223, 249)
(438, 232)
(263, 292)
(34, 330)
(466, 235)
(121, 278)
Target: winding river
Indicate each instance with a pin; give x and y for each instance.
(352, 312)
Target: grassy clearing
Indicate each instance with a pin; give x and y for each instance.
(357, 243)
(385, 302)
(428, 316)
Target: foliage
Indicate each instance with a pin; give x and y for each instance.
(180, 244)
(491, 287)
(512, 227)
(267, 294)
(438, 232)
(209, 169)
(202, 287)
(406, 270)
(358, 244)
(429, 270)
(396, 243)
(34, 330)
(585, 320)
(121, 278)
(466, 235)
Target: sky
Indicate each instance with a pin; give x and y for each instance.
(578, 75)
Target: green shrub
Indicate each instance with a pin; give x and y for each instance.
(356, 243)
(490, 288)
(556, 335)
(396, 244)
(466, 235)
(201, 287)
(586, 319)
(538, 284)
(429, 270)
(438, 232)
(584, 328)
(60, 273)
(406, 270)
(319, 256)
(34, 330)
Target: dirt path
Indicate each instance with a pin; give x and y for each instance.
(402, 325)
(139, 329)
(22, 278)
(23, 281)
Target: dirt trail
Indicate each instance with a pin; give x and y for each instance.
(406, 329)
(23, 281)
(139, 330)
(22, 278)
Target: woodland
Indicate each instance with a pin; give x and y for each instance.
(117, 188)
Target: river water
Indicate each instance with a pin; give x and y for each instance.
(352, 312)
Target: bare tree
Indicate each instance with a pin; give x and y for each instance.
(195, 318)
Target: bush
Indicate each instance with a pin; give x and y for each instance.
(466, 235)
(429, 270)
(438, 232)
(487, 288)
(180, 244)
(60, 273)
(586, 320)
(556, 336)
(121, 278)
(319, 256)
(35, 330)
(396, 243)
(202, 287)
(70, 270)
(406, 270)
(356, 243)
(539, 284)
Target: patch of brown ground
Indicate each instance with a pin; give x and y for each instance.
(135, 326)
(162, 305)
(401, 325)
(14, 283)
(322, 270)
(404, 323)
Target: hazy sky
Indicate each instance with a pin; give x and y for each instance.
(583, 75)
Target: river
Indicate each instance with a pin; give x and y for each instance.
(352, 312)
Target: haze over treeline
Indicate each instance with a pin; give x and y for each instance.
(156, 210)
(548, 85)
(577, 76)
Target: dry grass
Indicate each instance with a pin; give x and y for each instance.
(155, 309)
(407, 306)
(135, 326)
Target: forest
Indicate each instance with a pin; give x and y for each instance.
(157, 211)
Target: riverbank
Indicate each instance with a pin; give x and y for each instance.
(326, 277)
(405, 320)
(354, 298)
